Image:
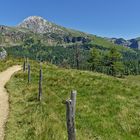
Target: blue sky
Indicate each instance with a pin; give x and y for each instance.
(108, 18)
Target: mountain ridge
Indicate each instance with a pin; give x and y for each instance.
(53, 34)
(38, 27)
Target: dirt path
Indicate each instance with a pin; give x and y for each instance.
(4, 105)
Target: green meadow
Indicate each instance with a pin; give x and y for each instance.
(107, 108)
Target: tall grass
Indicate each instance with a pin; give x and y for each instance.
(107, 108)
(8, 62)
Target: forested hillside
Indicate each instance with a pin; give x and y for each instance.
(98, 55)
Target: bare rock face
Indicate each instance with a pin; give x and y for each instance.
(40, 25)
(3, 53)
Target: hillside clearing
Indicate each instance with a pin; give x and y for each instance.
(107, 108)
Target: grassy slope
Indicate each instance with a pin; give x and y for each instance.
(107, 108)
(4, 64)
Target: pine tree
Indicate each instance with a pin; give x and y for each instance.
(95, 59)
(113, 61)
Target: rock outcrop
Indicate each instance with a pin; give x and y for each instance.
(3, 53)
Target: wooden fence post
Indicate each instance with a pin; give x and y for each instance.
(40, 85)
(70, 116)
(73, 99)
(29, 73)
(24, 66)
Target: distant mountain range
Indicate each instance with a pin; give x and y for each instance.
(52, 34)
(132, 43)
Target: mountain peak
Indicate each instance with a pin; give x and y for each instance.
(34, 18)
(38, 24)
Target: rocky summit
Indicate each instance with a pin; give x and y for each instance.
(40, 25)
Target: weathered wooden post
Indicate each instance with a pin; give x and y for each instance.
(24, 66)
(29, 73)
(40, 84)
(73, 99)
(70, 116)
